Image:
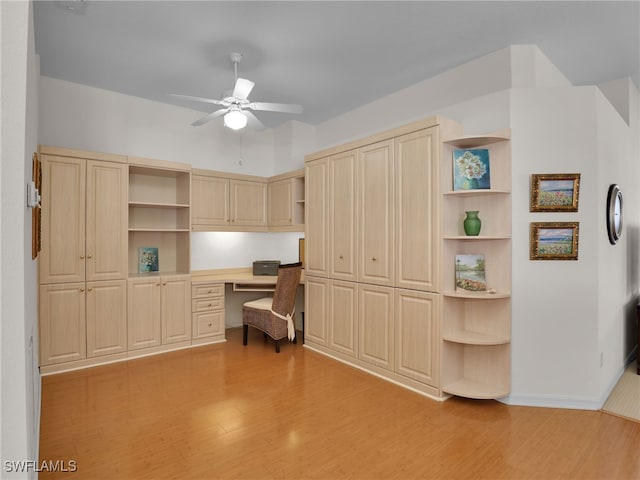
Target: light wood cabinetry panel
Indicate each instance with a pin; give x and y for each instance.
(106, 304)
(476, 326)
(248, 203)
(175, 310)
(376, 332)
(417, 211)
(62, 258)
(208, 315)
(417, 320)
(143, 309)
(343, 317)
(280, 204)
(375, 205)
(315, 309)
(62, 323)
(343, 217)
(210, 201)
(316, 226)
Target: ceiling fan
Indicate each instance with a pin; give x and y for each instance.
(237, 105)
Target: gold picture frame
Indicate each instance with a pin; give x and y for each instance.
(555, 192)
(554, 240)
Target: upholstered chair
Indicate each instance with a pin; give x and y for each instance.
(274, 315)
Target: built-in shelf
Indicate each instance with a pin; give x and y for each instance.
(469, 193)
(476, 238)
(474, 389)
(158, 205)
(475, 338)
(476, 295)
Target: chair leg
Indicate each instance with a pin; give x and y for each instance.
(245, 331)
(277, 346)
(302, 314)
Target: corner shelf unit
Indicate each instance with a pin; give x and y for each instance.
(476, 327)
(159, 215)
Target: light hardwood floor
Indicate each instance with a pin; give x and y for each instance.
(228, 411)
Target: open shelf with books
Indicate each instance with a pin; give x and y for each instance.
(476, 266)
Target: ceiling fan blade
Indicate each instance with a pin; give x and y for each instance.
(276, 107)
(211, 116)
(253, 121)
(243, 88)
(201, 99)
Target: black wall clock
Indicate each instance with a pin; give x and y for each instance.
(614, 213)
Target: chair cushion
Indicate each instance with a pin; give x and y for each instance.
(260, 304)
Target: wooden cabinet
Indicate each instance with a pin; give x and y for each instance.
(316, 225)
(375, 206)
(159, 310)
(207, 307)
(83, 220)
(224, 202)
(106, 304)
(476, 326)
(375, 323)
(417, 249)
(315, 308)
(286, 202)
(342, 216)
(83, 262)
(62, 323)
(417, 335)
(343, 317)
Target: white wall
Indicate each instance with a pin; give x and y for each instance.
(19, 380)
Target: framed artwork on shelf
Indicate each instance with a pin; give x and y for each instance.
(470, 276)
(471, 169)
(554, 240)
(555, 192)
(147, 259)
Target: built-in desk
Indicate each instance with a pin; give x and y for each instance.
(212, 308)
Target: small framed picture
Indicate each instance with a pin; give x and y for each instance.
(555, 192)
(470, 276)
(147, 259)
(554, 240)
(471, 169)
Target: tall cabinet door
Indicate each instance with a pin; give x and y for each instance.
(417, 335)
(62, 258)
(316, 298)
(342, 216)
(176, 309)
(375, 205)
(143, 313)
(62, 323)
(106, 223)
(343, 316)
(316, 222)
(106, 317)
(416, 211)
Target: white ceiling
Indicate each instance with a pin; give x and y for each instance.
(329, 57)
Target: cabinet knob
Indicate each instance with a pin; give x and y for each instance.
(209, 305)
(81, 257)
(89, 289)
(209, 324)
(209, 291)
(89, 256)
(157, 284)
(374, 259)
(82, 290)
(341, 257)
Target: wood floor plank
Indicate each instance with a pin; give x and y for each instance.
(228, 411)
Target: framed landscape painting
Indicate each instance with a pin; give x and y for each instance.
(554, 241)
(555, 192)
(470, 276)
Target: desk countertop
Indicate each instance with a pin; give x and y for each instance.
(234, 275)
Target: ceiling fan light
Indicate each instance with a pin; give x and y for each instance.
(235, 120)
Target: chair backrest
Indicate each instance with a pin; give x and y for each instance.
(284, 297)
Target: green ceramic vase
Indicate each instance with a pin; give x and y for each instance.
(472, 223)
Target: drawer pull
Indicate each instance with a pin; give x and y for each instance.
(209, 324)
(374, 259)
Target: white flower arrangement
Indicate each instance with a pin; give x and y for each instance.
(470, 166)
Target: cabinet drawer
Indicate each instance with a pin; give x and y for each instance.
(207, 290)
(206, 304)
(208, 324)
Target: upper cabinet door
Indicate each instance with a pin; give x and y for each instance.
(375, 202)
(316, 222)
(248, 203)
(209, 202)
(343, 260)
(281, 203)
(62, 258)
(416, 211)
(106, 223)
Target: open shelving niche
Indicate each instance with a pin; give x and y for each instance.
(159, 216)
(476, 327)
